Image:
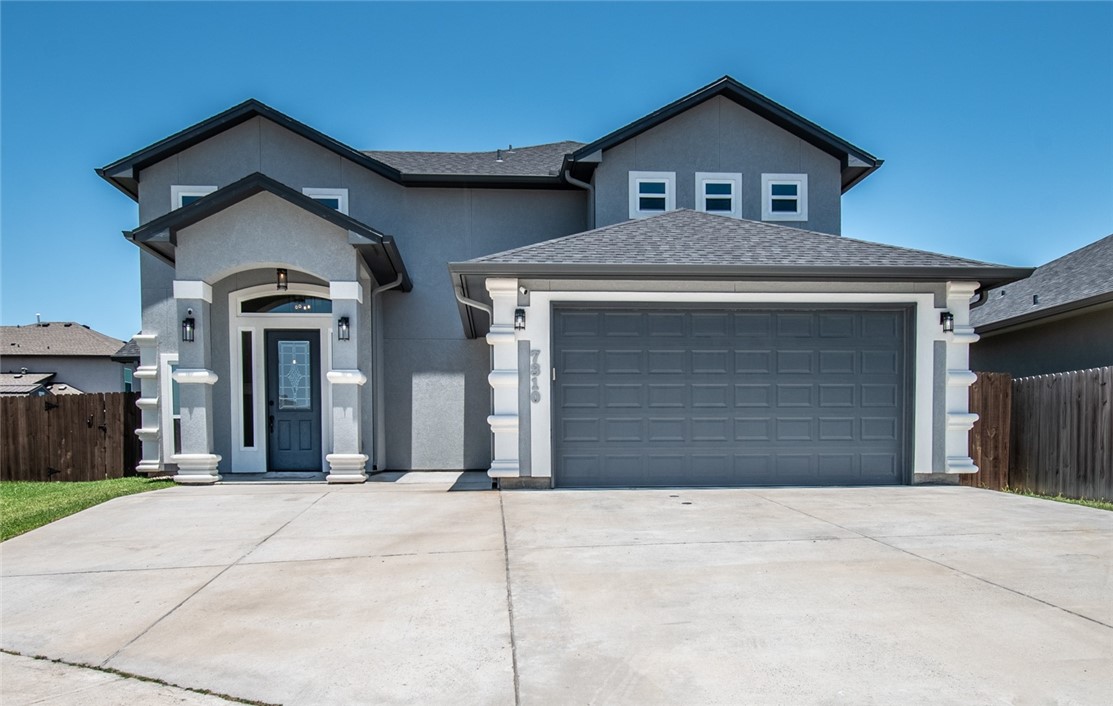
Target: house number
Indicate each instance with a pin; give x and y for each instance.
(534, 371)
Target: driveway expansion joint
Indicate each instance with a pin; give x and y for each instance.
(510, 606)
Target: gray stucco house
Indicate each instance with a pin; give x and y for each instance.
(1057, 320)
(78, 358)
(671, 304)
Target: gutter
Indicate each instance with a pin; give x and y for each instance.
(472, 304)
(566, 172)
(1049, 312)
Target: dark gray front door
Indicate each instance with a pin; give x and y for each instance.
(293, 401)
(721, 397)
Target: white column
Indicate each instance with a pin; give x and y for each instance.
(197, 464)
(346, 461)
(148, 403)
(504, 378)
(959, 379)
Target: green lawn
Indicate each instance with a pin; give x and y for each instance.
(1099, 504)
(25, 505)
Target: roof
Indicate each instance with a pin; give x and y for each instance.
(22, 384)
(857, 164)
(686, 244)
(160, 236)
(128, 353)
(1079, 279)
(56, 338)
(534, 161)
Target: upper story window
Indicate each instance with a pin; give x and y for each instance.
(185, 195)
(652, 193)
(719, 192)
(784, 197)
(333, 198)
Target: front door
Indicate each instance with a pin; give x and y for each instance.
(293, 401)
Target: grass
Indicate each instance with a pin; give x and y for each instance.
(1099, 504)
(27, 505)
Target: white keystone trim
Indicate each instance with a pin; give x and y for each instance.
(961, 378)
(195, 376)
(193, 289)
(148, 372)
(346, 290)
(503, 378)
(346, 377)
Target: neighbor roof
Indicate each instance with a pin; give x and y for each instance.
(533, 161)
(160, 236)
(1078, 279)
(56, 338)
(128, 353)
(856, 163)
(686, 244)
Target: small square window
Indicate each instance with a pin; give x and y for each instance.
(651, 193)
(333, 198)
(185, 195)
(784, 197)
(719, 193)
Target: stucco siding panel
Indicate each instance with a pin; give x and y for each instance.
(1074, 343)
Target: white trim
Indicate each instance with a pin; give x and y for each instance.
(732, 178)
(317, 193)
(177, 191)
(637, 178)
(767, 182)
(346, 377)
(193, 289)
(253, 459)
(926, 332)
(166, 393)
(195, 376)
(345, 290)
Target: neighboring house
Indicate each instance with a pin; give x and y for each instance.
(76, 355)
(25, 384)
(672, 304)
(128, 357)
(1059, 319)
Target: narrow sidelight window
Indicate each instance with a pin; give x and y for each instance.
(247, 376)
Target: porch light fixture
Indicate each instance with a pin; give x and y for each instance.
(281, 281)
(948, 321)
(519, 319)
(343, 330)
(188, 328)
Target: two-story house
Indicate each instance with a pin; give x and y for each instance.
(671, 304)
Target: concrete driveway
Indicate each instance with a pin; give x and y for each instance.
(411, 593)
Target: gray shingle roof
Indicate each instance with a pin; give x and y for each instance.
(536, 160)
(686, 237)
(56, 338)
(22, 384)
(1076, 278)
(128, 353)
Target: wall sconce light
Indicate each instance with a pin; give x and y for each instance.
(519, 319)
(188, 328)
(281, 281)
(343, 329)
(947, 319)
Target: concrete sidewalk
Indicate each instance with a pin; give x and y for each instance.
(402, 592)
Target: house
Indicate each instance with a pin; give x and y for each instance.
(24, 384)
(128, 356)
(1057, 320)
(670, 304)
(76, 356)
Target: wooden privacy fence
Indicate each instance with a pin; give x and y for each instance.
(69, 437)
(1050, 434)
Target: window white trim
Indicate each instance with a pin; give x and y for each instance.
(167, 361)
(177, 191)
(637, 178)
(732, 178)
(319, 193)
(767, 182)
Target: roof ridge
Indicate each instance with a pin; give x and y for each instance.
(490, 151)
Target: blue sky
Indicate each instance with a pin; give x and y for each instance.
(994, 119)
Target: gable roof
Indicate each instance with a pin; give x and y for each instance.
(128, 353)
(160, 236)
(56, 338)
(686, 244)
(534, 161)
(1078, 279)
(857, 164)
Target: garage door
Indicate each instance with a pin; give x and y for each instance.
(729, 397)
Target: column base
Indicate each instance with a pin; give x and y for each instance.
(504, 469)
(197, 469)
(148, 466)
(346, 468)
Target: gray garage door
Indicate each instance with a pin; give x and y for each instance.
(721, 397)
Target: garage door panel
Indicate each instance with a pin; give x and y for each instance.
(745, 396)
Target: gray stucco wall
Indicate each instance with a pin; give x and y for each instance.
(1073, 343)
(435, 390)
(86, 373)
(720, 136)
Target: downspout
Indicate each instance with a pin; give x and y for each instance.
(459, 290)
(567, 174)
(379, 399)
